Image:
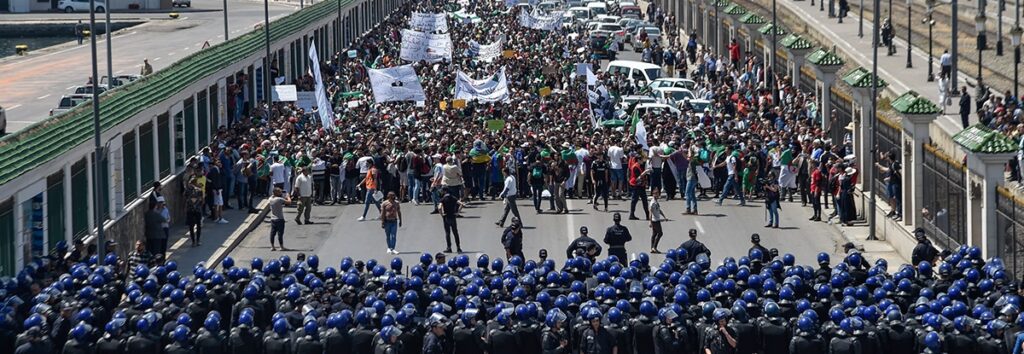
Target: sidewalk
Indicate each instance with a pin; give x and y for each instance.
(216, 240)
(858, 52)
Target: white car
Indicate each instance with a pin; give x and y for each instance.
(625, 101)
(80, 5)
(580, 14)
(653, 35)
(674, 82)
(548, 6)
(68, 102)
(613, 30)
(698, 106)
(657, 109)
(671, 95)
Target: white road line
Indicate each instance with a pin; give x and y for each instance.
(220, 36)
(74, 47)
(171, 54)
(20, 121)
(119, 71)
(13, 107)
(43, 96)
(69, 87)
(157, 59)
(699, 226)
(570, 222)
(186, 49)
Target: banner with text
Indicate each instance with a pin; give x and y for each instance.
(491, 89)
(429, 47)
(550, 22)
(485, 52)
(323, 105)
(429, 22)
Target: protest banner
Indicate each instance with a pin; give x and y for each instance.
(399, 83)
(491, 89)
(485, 52)
(495, 124)
(283, 93)
(428, 47)
(429, 22)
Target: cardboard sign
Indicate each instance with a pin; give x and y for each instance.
(544, 91)
(284, 93)
(508, 53)
(352, 53)
(443, 105)
(495, 124)
(459, 103)
(305, 100)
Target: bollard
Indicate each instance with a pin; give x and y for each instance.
(174, 15)
(21, 49)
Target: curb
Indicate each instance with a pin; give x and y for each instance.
(250, 224)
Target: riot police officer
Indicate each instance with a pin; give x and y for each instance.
(898, 338)
(774, 333)
(666, 338)
(309, 342)
(501, 339)
(553, 340)
(244, 339)
(210, 339)
(80, 342)
(279, 341)
(180, 344)
(755, 240)
(595, 338)
(113, 341)
(336, 338)
(616, 237)
(143, 341)
(363, 334)
(468, 335)
(584, 246)
(693, 248)
(721, 339)
(436, 340)
(643, 328)
(807, 340)
(388, 342)
(923, 251)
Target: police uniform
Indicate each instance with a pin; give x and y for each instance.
(616, 237)
(551, 342)
(583, 243)
(468, 340)
(597, 341)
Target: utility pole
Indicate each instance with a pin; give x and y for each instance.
(98, 155)
(266, 65)
(775, 54)
(910, 14)
(954, 50)
(225, 20)
(110, 55)
(869, 174)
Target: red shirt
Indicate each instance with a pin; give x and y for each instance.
(635, 170)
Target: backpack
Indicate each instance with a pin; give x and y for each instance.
(402, 164)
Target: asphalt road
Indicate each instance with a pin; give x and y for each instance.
(31, 85)
(725, 229)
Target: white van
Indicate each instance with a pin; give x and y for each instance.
(597, 8)
(638, 72)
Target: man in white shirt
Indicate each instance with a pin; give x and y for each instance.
(946, 61)
(615, 155)
(733, 181)
(277, 175)
(304, 192)
(509, 194)
(657, 159)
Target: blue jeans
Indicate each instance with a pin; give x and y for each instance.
(773, 213)
(230, 191)
(369, 200)
(538, 189)
(731, 184)
(691, 194)
(414, 186)
(391, 233)
(243, 195)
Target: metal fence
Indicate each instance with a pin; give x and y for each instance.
(888, 136)
(1009, 230)
(844, 115)
(806, 80)
(945, 197)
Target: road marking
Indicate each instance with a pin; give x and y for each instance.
(157, 59)
(43, 96)
(179, 244)
(119, 71)
(186, 49)
(699, 226)
(570, 222)
(73, 48)
(220, 36)
(13, 107)
(21, 122)
(171, 54)
(70, 87)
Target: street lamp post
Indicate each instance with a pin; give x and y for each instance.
(110, 54)
(1015, 34)
(98, 156)
(225, 20)
(266, 37)
(860, 26)
(931, 67)
(979, 24)
(910, 63)
(999, 25)
(874, 119)
(775, 55)
(954, 50)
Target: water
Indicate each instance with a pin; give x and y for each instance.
(34, 43)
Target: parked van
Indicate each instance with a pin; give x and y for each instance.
(638, 72)
(597, 8)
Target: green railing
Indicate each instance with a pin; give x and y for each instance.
(48, 139)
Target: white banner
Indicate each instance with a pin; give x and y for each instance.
(491, 89)
(544, 23)
(641, 134)
(284, 93)
(432, 48)
(305, 100)
(399, 83)
(485, 52)
(322, 103)
(429, 22)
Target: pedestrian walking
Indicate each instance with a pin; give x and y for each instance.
(944, 96)
(946, 63)
(732, 181)
(657, 216)
(80, 32)
(600, 177)
(449, 208)
(303, 191)
(194, 210)
(276, 204)
(370, 184)
(508, 194)
(638, 187)
(772, 197)
(391, 220)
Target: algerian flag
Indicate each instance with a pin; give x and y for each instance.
(641, 133)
